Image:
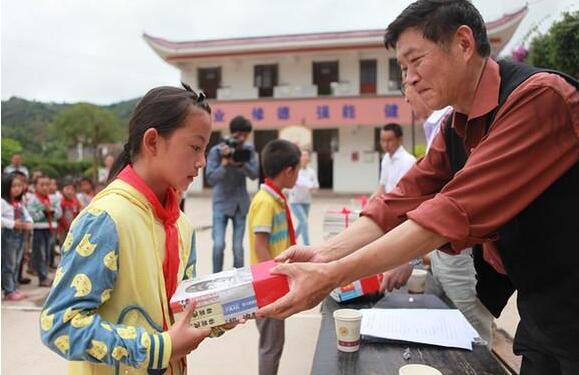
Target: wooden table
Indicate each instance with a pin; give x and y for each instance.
(385, 358)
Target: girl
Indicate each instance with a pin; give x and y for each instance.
(301, 196)
(108, 310)
(86, 191)
(15, 220)
(45, 211)
(70, 209)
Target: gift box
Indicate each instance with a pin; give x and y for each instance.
(336, 220)
(367, 285)
(227, 296)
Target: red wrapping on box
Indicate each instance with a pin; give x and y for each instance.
(372, 283)
(268, 287)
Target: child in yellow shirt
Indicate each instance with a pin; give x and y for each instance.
(271, 232)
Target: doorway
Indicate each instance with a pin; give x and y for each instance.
(325, 73)
(326, 143)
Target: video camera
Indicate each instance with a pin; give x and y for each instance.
(237, 154)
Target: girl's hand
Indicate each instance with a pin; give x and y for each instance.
(18, 224)
(184, 337)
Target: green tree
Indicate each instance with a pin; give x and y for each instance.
(557, 49)
(9, 147)
(88, 125)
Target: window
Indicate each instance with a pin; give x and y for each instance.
(324, 74)
(394, 75)
(367, 76)
(209, 80)
(265, 79)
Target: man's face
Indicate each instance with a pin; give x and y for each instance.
(16, 160)
(435, 72)
(389, 141)
(240, 136)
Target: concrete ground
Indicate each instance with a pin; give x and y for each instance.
(23, 353)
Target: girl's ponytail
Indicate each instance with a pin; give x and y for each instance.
(120, 163)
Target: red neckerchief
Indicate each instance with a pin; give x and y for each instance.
(16, 206)
(168, 215)
(46, 199)
(290, 226)
(68, 205)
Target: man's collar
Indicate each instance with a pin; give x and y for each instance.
(486, 96)
(399, 151)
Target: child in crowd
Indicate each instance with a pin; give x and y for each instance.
(53, 189)
(55, 251)
(301, 196)
(15, 220)
(45, 211)
(27, 232)
(271, 232)
(108, 311)
(86, 191)
(70, 209)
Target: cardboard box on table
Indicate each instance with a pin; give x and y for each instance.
(362, 287)
(335, 221)
(227, 296)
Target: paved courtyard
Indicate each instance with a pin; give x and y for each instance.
(23, 353)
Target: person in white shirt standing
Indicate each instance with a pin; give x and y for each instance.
(301, 196)
(396, 161)
(453, 274)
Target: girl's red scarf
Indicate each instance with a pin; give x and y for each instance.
(16, 205)
(168, 215)
(44, 199)
(290, 226)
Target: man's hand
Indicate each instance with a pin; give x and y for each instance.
(396, 278)
(298, 253)
(184, 337)
(309, 284)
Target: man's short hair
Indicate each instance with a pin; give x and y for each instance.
(277, 155)
(438, 20)
(396, 128)
(240, 124)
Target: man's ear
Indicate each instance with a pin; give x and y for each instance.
(464, 39)
(151, 141)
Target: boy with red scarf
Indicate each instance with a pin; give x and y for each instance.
(45, 211)
(70, 208)
(271, 231)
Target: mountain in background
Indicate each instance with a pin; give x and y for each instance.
(27, 121)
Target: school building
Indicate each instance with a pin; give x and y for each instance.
(331, 92)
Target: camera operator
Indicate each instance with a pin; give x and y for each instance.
(228, 165)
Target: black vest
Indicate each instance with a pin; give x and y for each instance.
(539, 247)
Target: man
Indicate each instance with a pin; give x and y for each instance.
(396, 161)
(16, 165)
(454, 274)
(227, 173)
(516, 194)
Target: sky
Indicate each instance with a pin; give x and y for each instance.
(93, 50)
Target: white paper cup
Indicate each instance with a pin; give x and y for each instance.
(418, 370)
(417, 281)
(348, 329)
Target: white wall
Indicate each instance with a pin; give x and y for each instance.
(358, 139)
(293, 70)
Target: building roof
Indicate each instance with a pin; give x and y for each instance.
(499, 31)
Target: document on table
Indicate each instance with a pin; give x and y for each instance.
(444, 327)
